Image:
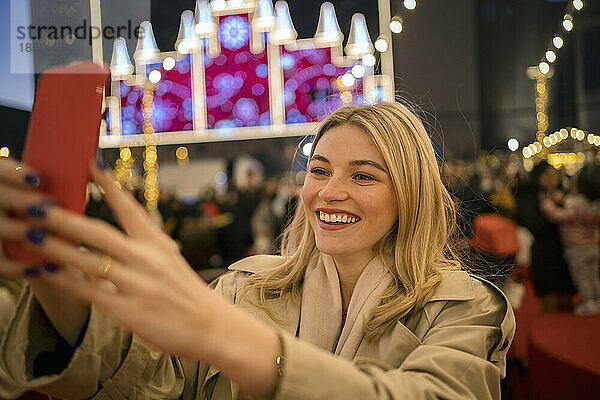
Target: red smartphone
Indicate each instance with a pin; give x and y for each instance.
(62, 137)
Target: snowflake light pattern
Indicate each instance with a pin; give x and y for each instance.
(234, 32)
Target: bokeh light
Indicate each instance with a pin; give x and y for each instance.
(155, 76)
(368, 60)
(169, 63)
(381, 44)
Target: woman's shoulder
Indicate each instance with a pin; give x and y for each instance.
(464, 313)
(461, 296)
(464, 298)
(257, 263)
(460, 285)
(227, 285)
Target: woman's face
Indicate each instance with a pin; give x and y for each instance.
(348, 195)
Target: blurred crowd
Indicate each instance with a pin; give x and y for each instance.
(541, 224)
(511, 223)
(215, 230)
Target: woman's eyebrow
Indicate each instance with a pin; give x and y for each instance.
(367, 162)
(372, 163)
(320, 158)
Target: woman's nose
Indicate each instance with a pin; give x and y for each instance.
(333, 190)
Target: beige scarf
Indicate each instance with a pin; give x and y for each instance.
(321, 308)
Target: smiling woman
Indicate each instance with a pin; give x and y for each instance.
(339, 185)
(364, 301)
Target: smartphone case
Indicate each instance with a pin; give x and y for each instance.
(62, 137)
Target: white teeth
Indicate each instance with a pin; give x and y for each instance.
(337, 218)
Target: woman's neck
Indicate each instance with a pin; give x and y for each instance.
(349, 269)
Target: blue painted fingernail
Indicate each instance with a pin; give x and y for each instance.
(51, 268)
(36, 211)
(39, 210)
(100, 164)
(36, 235)
(31, 271)
(33, 180)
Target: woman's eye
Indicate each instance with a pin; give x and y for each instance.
(363, 177)
(318, 171)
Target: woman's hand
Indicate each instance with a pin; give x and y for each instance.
(17, 185)
(141, 280)
(137, 278)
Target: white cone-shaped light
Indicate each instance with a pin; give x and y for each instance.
(235, 3)
(146, 48)
(265, 15)
(120, 64)
(186, 40)
(218, 5)
(284, 28)
(205, 25)
(359, 41)
(328, 30)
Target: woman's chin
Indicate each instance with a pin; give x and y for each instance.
(332, 250)
(337, 250)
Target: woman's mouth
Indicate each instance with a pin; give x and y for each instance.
(336, 219)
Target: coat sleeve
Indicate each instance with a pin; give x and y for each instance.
(460, 357)
(110, 363)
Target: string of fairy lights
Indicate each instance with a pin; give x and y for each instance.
(557, 42)
(123, 168)
(151, 190)
(540, 149)
(396, 26)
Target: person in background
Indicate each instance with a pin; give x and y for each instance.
(578, 221)
(549, 271)
(465, 190)
(264, 220)
(284, 206)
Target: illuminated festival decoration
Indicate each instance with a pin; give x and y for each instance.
(238, 71)
(540, 149)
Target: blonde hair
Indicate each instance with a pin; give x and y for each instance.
(416, 248)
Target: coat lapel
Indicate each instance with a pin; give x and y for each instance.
(389, 351)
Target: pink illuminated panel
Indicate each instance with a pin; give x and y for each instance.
(173, 107)
(311, 90)
(131, 105)
(237, 83)
(236, 90)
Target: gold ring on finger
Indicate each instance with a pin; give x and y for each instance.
(105, 265)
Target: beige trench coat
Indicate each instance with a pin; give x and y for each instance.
(453, 348)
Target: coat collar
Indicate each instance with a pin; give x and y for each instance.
(455, 284)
